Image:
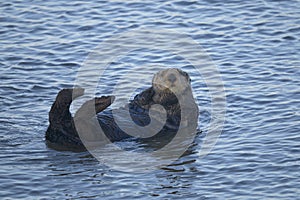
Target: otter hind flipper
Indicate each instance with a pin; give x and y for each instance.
(60, 112)
(91, 107)
(61, 130)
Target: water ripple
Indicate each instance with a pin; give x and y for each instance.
(255, 45)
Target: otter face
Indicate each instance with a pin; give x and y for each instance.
(174, 80)
(170, 84)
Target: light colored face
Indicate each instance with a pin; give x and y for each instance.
(173, 79)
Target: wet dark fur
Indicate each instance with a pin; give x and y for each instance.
(62, 134)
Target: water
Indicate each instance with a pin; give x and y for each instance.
(256, 47)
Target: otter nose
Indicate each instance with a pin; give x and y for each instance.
(172, 78)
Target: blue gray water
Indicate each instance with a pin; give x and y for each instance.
(254, 44)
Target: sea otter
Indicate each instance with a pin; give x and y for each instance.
(171, 90)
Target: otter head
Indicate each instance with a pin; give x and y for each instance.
(169, 85)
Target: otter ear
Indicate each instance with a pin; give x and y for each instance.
(185, 74)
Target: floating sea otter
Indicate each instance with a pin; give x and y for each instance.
(171, 89)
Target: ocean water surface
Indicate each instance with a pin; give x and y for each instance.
(254, 45)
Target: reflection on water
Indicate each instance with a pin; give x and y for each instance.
(255, 45)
